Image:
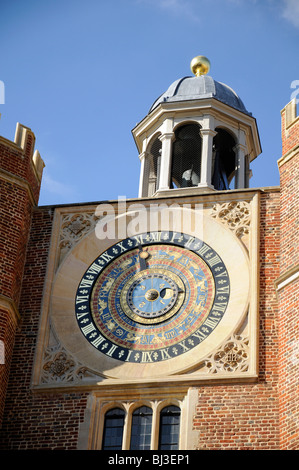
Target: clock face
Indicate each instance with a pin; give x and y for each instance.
(152, 297)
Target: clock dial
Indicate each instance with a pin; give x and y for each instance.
(150, 294)
(152, 297)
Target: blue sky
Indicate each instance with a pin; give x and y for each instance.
(81, 74)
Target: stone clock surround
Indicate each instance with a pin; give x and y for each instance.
(230, 227)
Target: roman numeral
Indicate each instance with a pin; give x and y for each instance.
(211, 322)
(94, 268)
(88, 329)
(86, 283)
(99, 340)
(220, 306)
(203, 250)
(214, 260)
(147, 356)
(106, 257)
(165, 354)
(81, 298)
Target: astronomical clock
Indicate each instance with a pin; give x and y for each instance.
(155, 303)
(152, 297)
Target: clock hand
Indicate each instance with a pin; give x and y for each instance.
(143, 255)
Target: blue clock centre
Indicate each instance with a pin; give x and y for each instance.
(152, 295)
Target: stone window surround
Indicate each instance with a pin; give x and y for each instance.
(91, 431)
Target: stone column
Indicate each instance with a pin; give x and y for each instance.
(142, 173)
(165, 170)
(240, 178)
(206, 157)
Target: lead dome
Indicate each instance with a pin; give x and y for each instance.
(202, 87)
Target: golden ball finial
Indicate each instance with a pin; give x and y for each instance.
(200, 65)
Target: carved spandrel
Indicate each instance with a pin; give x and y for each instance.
(236, 215)
(73, 228)
(59, 367)
(231, 357)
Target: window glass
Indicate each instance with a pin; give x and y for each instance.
(141, 429)
(169, 428)
(113, 429)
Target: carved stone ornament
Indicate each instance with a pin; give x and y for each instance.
(233, 356)
(235, 214)
(73, 228)
(59, 367)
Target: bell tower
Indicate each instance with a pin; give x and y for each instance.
(197, 137)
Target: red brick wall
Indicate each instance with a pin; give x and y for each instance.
(245, 416)
(7, 336)
(289, 182)
(15, 219)
(37, 421)
(288, 295)
(289, 127)
(288, 367)
(18, 161)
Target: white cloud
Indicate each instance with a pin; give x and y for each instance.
(291, 11)
(288, 9)
(50, 185)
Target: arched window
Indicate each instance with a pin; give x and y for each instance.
(152, 167)
(169, 428)
(224, 159)
(113, 429)
(186, 156)
(141, 429)
(140, 433)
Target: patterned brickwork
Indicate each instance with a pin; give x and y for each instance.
(15, 225)
(288, 367)
(240, 417)
(289, 178)
(19, 192)
(19, 162)
(37, 421)
(289, 281)
(7, 336)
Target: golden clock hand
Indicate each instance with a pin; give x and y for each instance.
(143, 255)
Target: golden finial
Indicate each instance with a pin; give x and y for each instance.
(200, 65)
